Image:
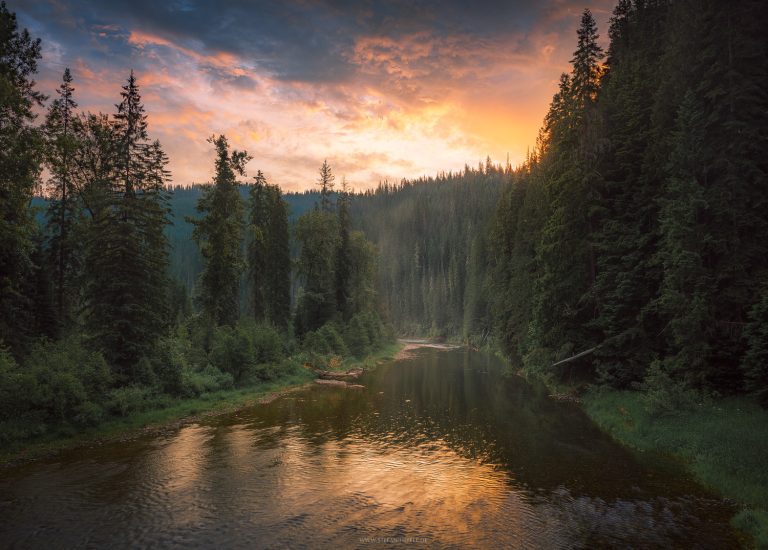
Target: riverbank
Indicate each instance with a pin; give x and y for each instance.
(724, 444)
(176, 413)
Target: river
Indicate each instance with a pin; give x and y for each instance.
(439, 450)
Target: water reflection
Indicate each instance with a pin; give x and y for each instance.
(440, 448)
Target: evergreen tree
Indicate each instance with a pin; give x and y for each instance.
(685, 296)
(563, 300)
(278, 275)
(269, 253)
(257, 252)
(127, 249)
(61, 131)
(343, 254)
(317, 234)
(326, 183)
(219, 235)
(626, 211)
(20, 147)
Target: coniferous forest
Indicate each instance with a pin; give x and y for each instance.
(628, 252)
(631, 239)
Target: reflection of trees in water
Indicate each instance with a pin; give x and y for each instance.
(461, 402)
(465, 399)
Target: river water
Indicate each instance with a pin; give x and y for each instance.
(438, 450)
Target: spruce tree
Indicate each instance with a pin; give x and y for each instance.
(343, 254)
(127, 248)
(326, 183)
(278, 275)
(61, 131)
(269, 259)
(219, 234)
(317, 234)
(20, 147)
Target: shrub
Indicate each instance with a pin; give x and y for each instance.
(267, 344)
(130, 399)
(664, 393)
(210, 379)
(67, 381)
(246, 350)
(356, 336)
(232, 351)
(173, 355)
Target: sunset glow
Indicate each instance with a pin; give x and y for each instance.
(381, 91)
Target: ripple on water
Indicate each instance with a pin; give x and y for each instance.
(335, 469)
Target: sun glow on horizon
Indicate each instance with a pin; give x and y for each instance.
(380, 104)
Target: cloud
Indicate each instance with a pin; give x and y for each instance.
(393, 89)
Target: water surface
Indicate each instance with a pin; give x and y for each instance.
(438, 450)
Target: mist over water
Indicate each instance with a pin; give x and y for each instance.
(440, 449)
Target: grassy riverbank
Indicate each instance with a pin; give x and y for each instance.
(723, 443)
(169, 413)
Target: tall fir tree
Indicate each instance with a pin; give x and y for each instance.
(326, 183)
(20, 148)
(61, 132)
(127, 250)
(258, 259)
(317, 234)
(278, 274)
(343, 254)
(269, 259)
(219, 234)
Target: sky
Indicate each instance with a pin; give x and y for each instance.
(382, 90)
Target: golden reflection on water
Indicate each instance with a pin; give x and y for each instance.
(439, 450)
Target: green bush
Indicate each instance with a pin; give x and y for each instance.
(173, 355)
(210, 379)
(356, 336)
(267, 344)
(246, 350)
(65, 380)
(130, 399)
(664, 394)
(232, 351)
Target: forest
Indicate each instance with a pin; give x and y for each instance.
(628, 251)
(95, 321)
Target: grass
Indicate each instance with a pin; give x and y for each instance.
(723, 443)
(172, 412)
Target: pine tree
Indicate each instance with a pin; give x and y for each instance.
(626, 211)
(257, 252)
(343, 254)
(317, 234)
(219, 235)
(20, 147)
(269, 258)
(563, 302)
(127, 249)
(278, 276)
(685, 298)
(61, 131)
(586, 62)
(326, 183)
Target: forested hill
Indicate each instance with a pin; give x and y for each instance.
(431, 236)
(186, 263)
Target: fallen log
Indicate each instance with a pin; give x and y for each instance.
(338, 383)
(582, 354)
(335, 375)
(330, 382)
